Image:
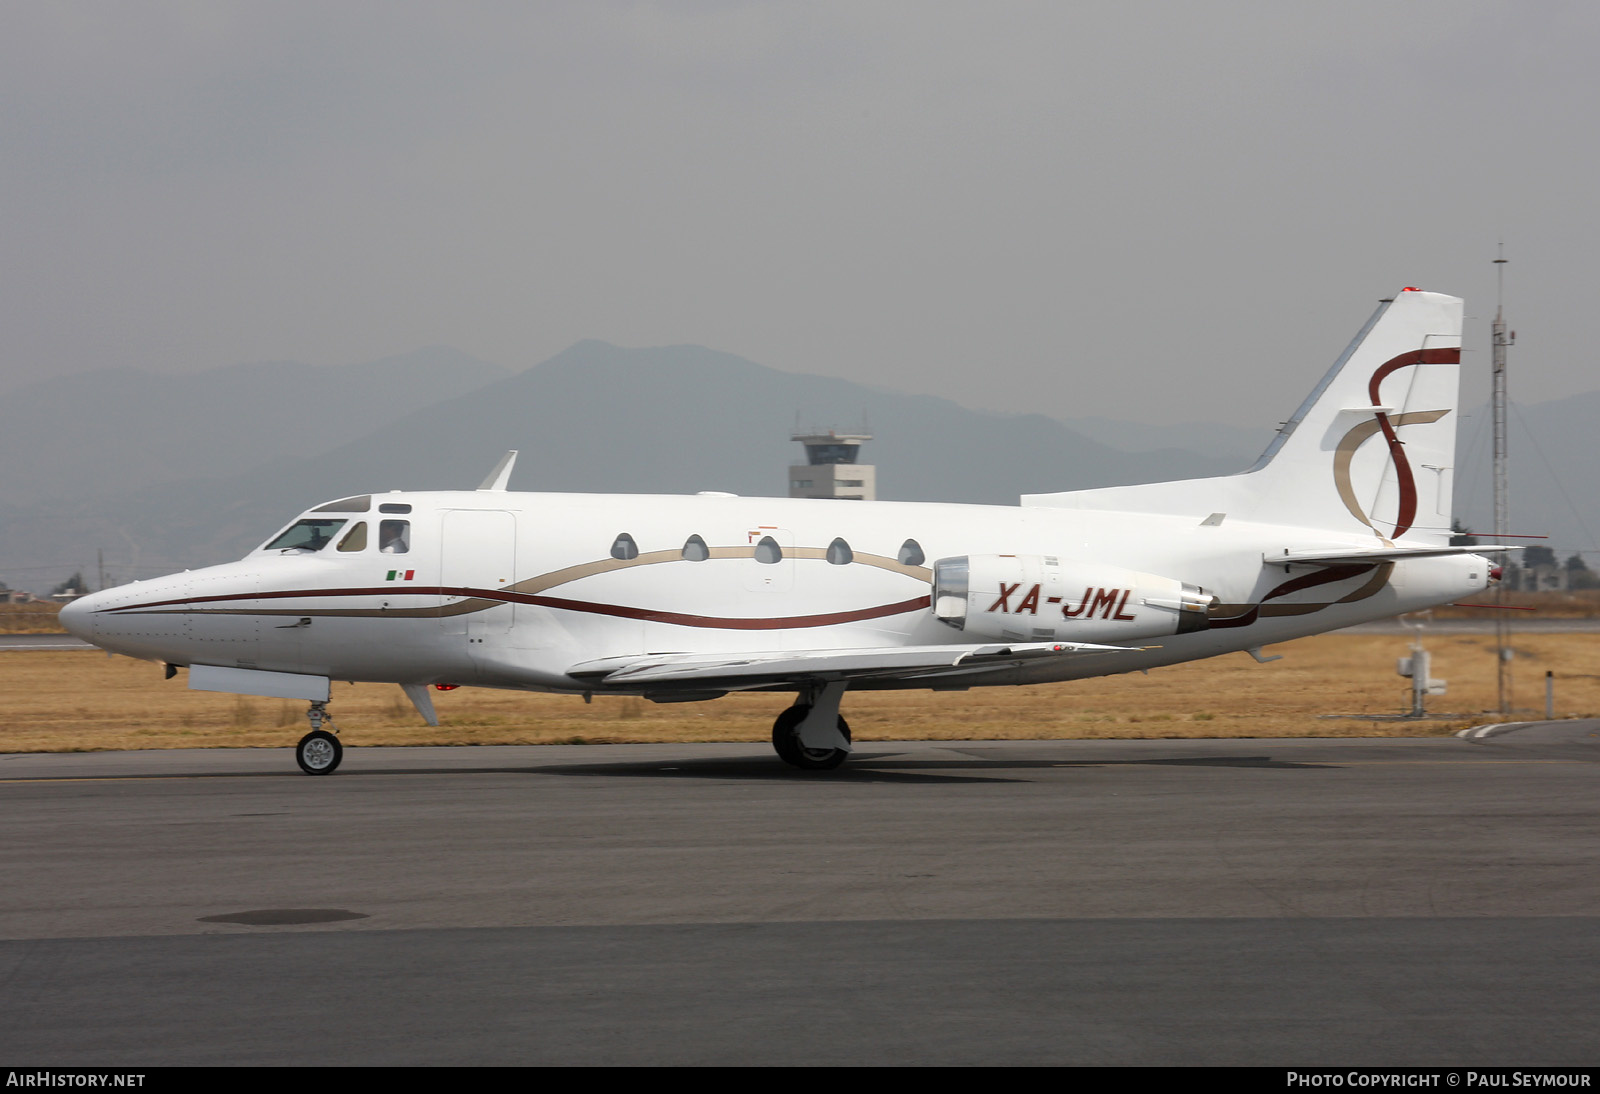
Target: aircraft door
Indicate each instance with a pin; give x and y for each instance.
(478, 550)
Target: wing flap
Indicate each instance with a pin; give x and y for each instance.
(753, 669)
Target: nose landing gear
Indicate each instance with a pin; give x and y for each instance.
(319, 751)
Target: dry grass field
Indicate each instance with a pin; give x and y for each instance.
(37, 618)
(76, 701)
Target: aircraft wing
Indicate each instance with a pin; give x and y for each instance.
(1344, 556)
(747, 670)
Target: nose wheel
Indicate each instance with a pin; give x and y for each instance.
(319, 751)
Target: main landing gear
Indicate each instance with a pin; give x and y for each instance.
(812, 735)
(319, 751)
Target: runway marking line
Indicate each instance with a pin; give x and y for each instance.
(1452, 763)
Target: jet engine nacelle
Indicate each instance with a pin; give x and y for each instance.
(1043, 598)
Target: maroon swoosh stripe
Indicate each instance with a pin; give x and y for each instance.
(728, 623)
(283, 594)
(619, 610)
(1305, 581)
(1397, 452)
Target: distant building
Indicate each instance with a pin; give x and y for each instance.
(831, 470)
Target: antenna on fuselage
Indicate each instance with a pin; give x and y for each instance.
(502, 471)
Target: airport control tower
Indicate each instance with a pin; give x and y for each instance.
(831, 470)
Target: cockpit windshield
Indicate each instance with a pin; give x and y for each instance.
(306, 535)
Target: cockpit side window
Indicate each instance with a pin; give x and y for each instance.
(394, 537)
(355, 539)
(306, 535)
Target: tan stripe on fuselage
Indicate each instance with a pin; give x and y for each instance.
(650, 558)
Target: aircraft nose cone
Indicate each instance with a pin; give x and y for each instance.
(113, 620)
(77, 615)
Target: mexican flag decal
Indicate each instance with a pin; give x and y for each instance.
(401, 575)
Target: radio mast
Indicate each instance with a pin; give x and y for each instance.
(1499, 340)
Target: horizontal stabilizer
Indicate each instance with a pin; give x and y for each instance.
(754, 669)
(1344, 556)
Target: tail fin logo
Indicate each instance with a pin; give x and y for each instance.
(1345, 452)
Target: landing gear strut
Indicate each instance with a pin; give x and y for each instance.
(803, 736)
(319, 751)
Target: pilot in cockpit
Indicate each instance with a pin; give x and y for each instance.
(306, 536)
(394, 537)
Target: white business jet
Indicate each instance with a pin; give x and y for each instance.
(1345, 518)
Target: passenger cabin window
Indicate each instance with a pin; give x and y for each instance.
(911, 553)
(306, 535)
(840, 554)
(355, 539)
(768, 551)
(695, 549)
(394, 537)
(624, 548)
(347, 505)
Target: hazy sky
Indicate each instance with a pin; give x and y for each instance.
(1155, 211)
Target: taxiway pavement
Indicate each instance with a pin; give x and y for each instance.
(1391, 901)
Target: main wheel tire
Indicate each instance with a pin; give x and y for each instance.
(318, 752)
(786, 742)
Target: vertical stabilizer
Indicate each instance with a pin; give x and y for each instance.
(1371, 450)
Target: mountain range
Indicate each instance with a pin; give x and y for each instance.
(165, 472)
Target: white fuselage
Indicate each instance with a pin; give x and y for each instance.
(514, 589)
